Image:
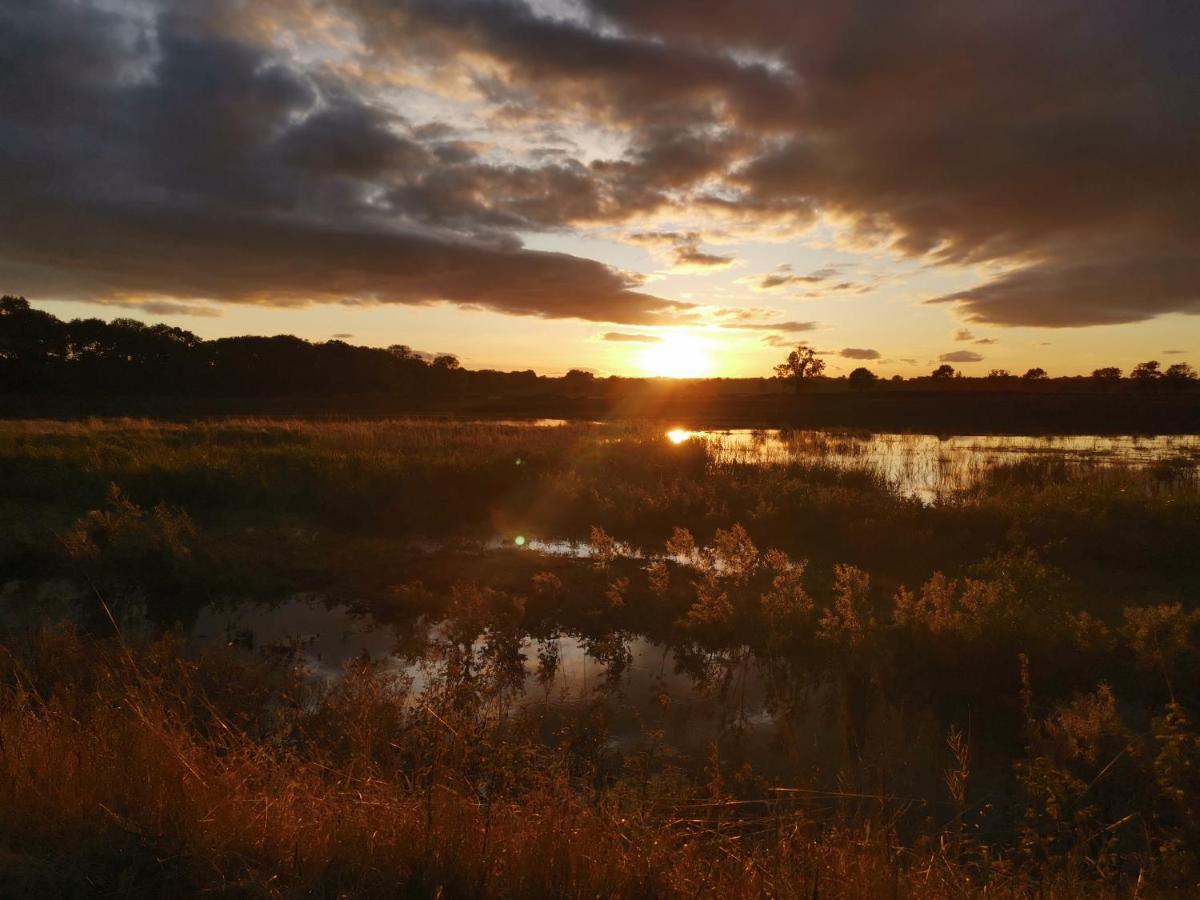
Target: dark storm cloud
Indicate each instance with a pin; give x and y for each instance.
(628, 78)
(1025, 132)
(171, 148)
(149, 153)
(1088, 289)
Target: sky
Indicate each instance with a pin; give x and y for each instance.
(632, 187)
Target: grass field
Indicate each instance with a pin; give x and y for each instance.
(987, 693)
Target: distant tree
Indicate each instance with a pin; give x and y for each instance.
(447, 362)
(10, 305)
(1108, 373)
(402, 351)
(1146, 371)
(897, 379)
(579, 379)
(800, 366)
(997, 374)
(862, 378)
(945, 370)
(1035, 374)
(1179, 375)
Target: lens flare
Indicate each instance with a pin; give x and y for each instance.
(519, 540)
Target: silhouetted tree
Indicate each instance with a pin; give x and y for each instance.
(944, 371)
(999, 374)
(1108, 373)
(862, 378)
(1179, 375)
(1037, 373)
(801, 365)
(1146, 371)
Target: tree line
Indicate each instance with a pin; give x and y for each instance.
(40, 353)
(803, 366)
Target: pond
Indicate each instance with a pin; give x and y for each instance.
(682, 698)
(928, 466)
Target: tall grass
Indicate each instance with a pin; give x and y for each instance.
(130, 770)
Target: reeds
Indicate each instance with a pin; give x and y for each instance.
(130, 770)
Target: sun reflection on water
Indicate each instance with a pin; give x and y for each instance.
(678, 435)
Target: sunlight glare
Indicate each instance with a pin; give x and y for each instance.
(678, 435)
(677, 356)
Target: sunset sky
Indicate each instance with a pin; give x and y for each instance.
(677, 187)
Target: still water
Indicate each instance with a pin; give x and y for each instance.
(689, 698)
(930, 466)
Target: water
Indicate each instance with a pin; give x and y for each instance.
(691, 697)
(928, 466)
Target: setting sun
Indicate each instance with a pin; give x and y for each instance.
(677, 356)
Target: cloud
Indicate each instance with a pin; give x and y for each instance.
(779, 340)
(964, 334)
(690, 258)
(166, 308)
(179, 151)
(621, 336)
(1091, 287)
(342, 336)
(858, 353)
(684, 250)
(166, 157)
(791, 327)
(1173, 352)
(1059, 165)
(785, 277)
(961, 356)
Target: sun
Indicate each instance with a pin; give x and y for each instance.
(677, 356)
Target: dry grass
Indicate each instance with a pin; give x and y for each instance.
(138, 772)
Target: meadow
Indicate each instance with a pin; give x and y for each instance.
(803, 680)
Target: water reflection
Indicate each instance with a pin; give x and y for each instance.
(679, 435)
(687, 695)
(928, 466)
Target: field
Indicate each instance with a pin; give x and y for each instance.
(591, 660)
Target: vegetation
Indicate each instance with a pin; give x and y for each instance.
(88, 367)
(801, 364)
(988, 690)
